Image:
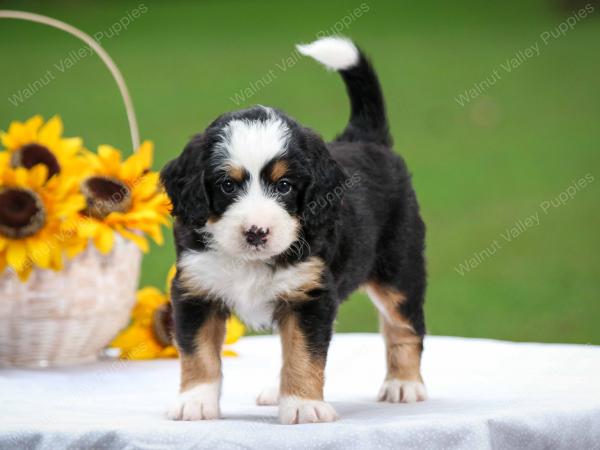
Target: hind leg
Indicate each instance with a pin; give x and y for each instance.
(401, 324)
(269, 396)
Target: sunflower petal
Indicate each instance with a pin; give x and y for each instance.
(154, 231)
(146, 186)
(88, 227)
(16, 255)
(4, 161)
(39, 251)
(21, 176)
(132, 170)
(56, 260)
(17, 136)
(33, 124)
(75, 246)
(7, 140)
(137, 342)
(21, 133)
(138, 240)
(111, 159)
(70, 146)
(148, 298)
(38, 175)
(51, 132)
(24, 273)
(145, 153)
(104, 240)
(2, 262)
(235, 330)
(75, 204)
(168, 352)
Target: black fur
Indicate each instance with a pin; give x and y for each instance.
(368, 121)
(354, 198)
(183, 178)
(189, 315)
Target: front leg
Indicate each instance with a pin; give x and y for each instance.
(305, 330)
(199, 335)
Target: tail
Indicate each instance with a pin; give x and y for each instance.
(368, 120)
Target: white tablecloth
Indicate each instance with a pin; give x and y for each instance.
(483, 394)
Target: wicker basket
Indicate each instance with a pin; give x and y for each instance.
(68, 317)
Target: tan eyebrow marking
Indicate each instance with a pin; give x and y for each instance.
(235, 172)
(278, 170)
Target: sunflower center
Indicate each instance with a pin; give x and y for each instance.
(32, 154)
(22, 213)
(105, 195)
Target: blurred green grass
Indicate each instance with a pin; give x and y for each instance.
(477, 168)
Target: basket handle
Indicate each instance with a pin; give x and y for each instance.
(110, 64)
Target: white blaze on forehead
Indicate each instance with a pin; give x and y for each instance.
(251, 144)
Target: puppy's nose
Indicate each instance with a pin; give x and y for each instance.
(256, 236)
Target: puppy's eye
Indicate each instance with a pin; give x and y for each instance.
(283, 187)
(228, 187)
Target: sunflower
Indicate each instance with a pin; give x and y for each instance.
(140, 340)
(36, 215)
(34, 142)
(149, 333)
(123, 197)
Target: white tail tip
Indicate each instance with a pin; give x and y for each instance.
(335, 52)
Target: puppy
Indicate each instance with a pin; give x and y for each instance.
(279, 227)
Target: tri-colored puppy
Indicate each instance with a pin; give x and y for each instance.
(279, 227)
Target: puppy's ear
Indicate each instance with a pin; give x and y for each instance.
(183, 179)
(323, 197)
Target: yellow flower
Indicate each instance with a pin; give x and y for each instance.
(123, 197)
(235, 330)
(4, 160)
(34, 142)
(149, 333)
(170, 276)
(138, 340)
(36, 218)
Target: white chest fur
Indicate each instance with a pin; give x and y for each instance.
(250, 288)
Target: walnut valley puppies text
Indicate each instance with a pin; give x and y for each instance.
(289, 61)
(524, 224)
(73, 57)
(330, 198)
(523, 55)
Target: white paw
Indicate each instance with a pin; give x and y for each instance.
(198, 403)
(269, 396)
(293, 410)
(401, 391)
